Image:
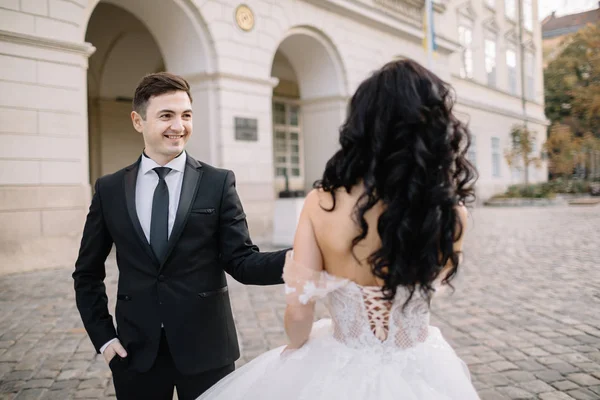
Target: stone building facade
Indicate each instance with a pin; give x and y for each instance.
(270, 81)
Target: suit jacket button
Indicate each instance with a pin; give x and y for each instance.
(161, 278)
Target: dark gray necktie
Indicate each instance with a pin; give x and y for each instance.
(159, 224)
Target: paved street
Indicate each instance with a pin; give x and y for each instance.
(525, 315)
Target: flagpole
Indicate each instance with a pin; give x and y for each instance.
(429, 20)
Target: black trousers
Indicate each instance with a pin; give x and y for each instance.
(160, 381)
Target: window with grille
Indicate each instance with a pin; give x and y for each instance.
(511, 66)
(472, 152)
(528, 15)
(529, 76)
(490, 59)
(286, 139)
(496, 157)
(533, 171)
(465, 37)
(510, 9)
(516, 173)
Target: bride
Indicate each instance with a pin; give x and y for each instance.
(378, 236)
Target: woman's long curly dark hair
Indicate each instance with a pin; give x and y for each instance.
(402, 142)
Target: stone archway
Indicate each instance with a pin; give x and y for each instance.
(131, 40)
(309, 104)
(178, 28)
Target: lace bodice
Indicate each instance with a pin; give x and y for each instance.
(361, 317)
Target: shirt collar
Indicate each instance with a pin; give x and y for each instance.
(177, 164)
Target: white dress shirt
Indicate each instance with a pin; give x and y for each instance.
(146, 183)
(147, 180)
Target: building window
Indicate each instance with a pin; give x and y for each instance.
(510, 9)
(511, 67)
(528, 15)
(516, 174)
(495, 157)
(465, 37)
(490, 58)
(286, 139)
(529, 76)
(532, 168)
(472, 152)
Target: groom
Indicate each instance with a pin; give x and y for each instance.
(177, 225)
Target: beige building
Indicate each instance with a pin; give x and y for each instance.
(270, 79)
(556, 31)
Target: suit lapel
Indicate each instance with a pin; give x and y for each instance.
(130, 182)
(189, 189)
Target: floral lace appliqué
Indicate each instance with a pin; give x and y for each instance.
(303, 285)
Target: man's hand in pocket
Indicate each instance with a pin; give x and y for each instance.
(113, 349)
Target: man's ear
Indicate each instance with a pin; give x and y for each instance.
(137, 121)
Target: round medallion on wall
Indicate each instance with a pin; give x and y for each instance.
(244, 17)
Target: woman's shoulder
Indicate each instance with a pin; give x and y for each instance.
(318, 199)
(462, 212)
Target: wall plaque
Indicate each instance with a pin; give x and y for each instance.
(244, 17)
(246, 129)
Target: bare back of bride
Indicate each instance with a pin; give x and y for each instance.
(379, 234)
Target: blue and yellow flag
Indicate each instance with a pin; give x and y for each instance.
(428, 28)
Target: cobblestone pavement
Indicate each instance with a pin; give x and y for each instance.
(525, 315)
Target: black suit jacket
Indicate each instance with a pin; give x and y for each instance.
(187, 291)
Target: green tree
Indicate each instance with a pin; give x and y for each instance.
(572, 83)
(521, 154)
(587, 147)
(561, 149)
(565, 151)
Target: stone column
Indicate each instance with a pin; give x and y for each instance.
(218, 99)
(321, 121)
(44, 168)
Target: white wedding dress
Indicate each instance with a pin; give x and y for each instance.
(369, 349)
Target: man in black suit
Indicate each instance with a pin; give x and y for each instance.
(177, 225)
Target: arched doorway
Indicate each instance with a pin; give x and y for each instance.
(309, 104)
(133, 39)
(113, 72)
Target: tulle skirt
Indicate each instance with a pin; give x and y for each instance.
(326, 369)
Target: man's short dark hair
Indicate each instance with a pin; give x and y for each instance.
(155, 85)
